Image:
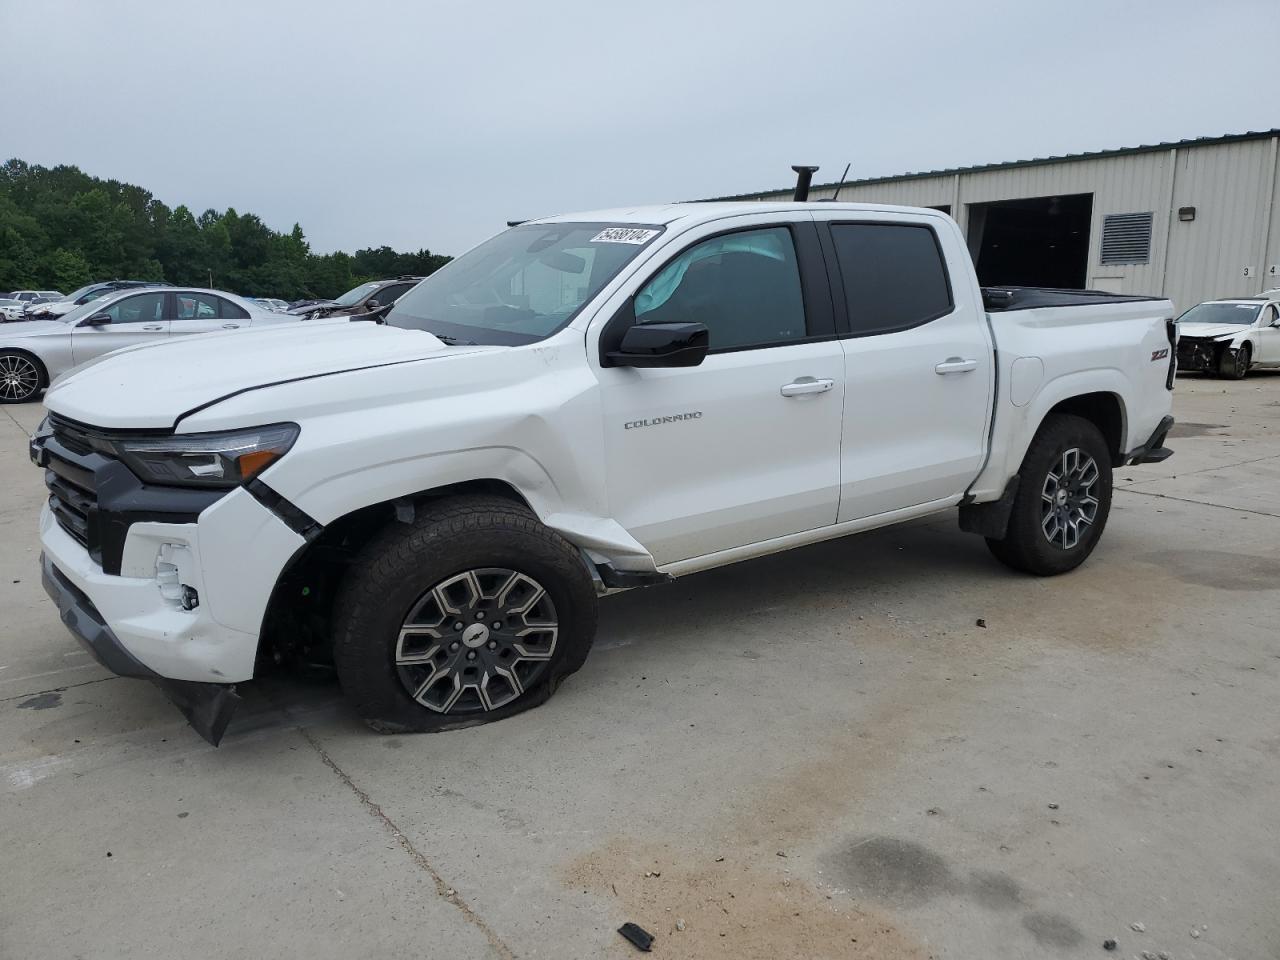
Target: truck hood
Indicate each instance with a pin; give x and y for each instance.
(31, 328)
(154, 385)
(1211, 331)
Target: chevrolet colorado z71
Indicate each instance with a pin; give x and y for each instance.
(582, 403)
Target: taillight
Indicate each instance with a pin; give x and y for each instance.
(1171, 329)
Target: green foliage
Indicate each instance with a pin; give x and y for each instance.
(61, 228)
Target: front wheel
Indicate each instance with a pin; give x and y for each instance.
(1234, 364)
(20, 377)
(1063, 499)
(472, 613)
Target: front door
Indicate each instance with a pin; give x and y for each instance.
(919, 369)
(744, 447)
(134, 319)
(1268, 336)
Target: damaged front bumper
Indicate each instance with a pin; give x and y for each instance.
(207, 706)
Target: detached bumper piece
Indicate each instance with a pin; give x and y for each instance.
(1154, 450)
(207, 706)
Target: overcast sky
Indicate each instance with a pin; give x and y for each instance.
(430, 124)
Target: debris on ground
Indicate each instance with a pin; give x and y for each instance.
(781, 853)
(637, 936)
(980, 622)
(1195, 934)
(679, 924)
(1108, 944)
(1053, 806)
(1138, 926)
(1148, 955)
(652, 873)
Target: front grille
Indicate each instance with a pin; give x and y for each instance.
(72, 494)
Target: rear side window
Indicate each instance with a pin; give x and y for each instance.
(894, 276)
(230, 311)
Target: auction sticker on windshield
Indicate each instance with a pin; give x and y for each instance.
(635, 235)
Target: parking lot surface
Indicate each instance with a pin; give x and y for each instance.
(887, 746)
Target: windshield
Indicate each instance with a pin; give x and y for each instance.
(77, 294)
(522, 285)
(1222, 313)
(356, 294)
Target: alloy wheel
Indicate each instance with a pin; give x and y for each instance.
(1069, 501)
(19, 378)
(476, 641)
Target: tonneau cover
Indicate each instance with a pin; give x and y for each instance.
(997, 299)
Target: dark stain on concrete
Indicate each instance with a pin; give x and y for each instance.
(994, 890)
(392, 744)
(1195, 429)
(1219, 569)
(42, 701)
(895, 871)
(1053, 930)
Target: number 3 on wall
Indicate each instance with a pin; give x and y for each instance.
(1248, 272)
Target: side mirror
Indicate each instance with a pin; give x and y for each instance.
(661, 345)
(372, 304)
(97, 320)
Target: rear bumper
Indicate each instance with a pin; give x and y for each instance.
(207, 706)
(1153, 450)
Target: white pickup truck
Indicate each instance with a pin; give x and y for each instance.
(582, 403)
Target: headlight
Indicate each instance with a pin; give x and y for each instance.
(208, 459)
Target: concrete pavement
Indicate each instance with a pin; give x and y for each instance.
(818, 754)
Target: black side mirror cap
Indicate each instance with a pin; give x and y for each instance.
(97, 320)
(661, 345)
(372, 304)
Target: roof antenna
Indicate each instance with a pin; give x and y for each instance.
(835, 196)
(804, 176)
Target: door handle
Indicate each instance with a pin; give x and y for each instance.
(231, 326)
(955, 365)
(804, 386)
(152, 329)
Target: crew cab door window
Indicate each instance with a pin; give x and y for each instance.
(744, 447)
(229, 311)
(894, 276)
(918, 365)
(744, 287)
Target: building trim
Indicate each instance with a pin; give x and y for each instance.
(1010, 164)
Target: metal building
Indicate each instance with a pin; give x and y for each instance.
(1191, 220)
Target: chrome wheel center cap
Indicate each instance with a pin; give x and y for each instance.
(1061, 497)
(476, 635)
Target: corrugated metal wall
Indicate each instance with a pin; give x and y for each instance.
(1235, 188)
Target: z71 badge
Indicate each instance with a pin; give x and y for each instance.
(1159, 354)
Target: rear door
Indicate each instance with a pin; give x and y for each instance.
(139, 318)
(206, 313)
(744, 447)
(919, 366)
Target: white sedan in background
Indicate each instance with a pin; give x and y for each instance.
(1228, 338)
(33, 353)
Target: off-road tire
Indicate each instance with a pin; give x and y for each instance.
(1234, 364)
(401, 565)
(1025, 545)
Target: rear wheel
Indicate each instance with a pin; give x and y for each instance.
(21, 377)
(1063, 499)
(472, 613)
(1234, 364)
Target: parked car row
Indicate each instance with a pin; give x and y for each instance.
(365, 298)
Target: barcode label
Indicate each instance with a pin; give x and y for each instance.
(635, 235)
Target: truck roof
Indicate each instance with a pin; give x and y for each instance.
(666, 213)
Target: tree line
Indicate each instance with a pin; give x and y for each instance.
(61, 228)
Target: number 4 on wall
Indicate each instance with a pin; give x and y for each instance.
(1273, 271)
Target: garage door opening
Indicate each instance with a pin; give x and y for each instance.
(1039, 242)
